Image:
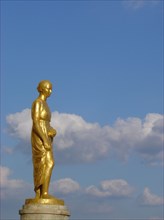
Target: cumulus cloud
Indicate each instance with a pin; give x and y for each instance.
(111, 188)
(8, 185)
(6, 182)
(149, 199)
(65, 186)
(80, 141)
(20, 124)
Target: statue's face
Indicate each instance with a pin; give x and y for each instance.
(47, 89)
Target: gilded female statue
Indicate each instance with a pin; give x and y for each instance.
(43, 206)
(41, 138)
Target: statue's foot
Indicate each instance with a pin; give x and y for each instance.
(47, 196)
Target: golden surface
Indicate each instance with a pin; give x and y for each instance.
(42, 135)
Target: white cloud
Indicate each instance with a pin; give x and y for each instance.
(65, 186)
(9, 186)
(111, 188)
(5, 182)
(80, 141)
(116, 188)
(150, 199)
(20, 124)
(137, 4)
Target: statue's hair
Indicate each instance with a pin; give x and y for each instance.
(42, 85)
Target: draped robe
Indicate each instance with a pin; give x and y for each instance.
(41, 157)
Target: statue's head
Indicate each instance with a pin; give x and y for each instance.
(45, 87)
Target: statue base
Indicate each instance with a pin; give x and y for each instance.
(43, 211)
(51, 201)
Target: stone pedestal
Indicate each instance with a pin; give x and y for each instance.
(34, 211)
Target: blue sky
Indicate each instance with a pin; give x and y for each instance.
(104, 59)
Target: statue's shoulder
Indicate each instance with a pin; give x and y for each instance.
(37, 102)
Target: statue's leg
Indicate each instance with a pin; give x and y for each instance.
(37, 194)
(47, 177)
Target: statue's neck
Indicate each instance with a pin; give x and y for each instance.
(42, 97)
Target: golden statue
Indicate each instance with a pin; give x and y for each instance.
(42, 135)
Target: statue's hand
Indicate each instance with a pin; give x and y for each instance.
(52, 132)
